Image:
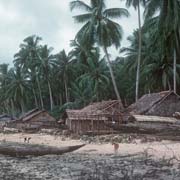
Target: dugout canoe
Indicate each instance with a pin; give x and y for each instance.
(19, 149)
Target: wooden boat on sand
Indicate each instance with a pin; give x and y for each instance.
(23, 149)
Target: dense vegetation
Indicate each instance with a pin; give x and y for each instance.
(87, 73)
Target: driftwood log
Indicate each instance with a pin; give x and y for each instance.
(19, 149)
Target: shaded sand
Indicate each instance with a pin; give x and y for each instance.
(158, 149)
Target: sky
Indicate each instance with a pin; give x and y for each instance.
(50, 19)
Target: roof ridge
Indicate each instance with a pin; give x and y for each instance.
(113, 103)
(164, 97)
(32, 115)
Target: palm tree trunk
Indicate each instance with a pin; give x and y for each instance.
(35, 98)
(22, 106)
(50, 95)
(12, 108)
(66, 88)
(7, 107)
(174, 70)
(4, 107)
(139, 53)
(113, 78)
(164, 11)
(40, 93)
(169, 86)
(60, 100)
(97, 92)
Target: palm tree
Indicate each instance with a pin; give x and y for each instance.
(4, 82)
(96, 73)
(99, 28)
(4, 75)
(80, 52)
(44, 67)
(62, 61)
(169, 25)
(83, 94)
(27, 58)
(136, 5)
(156, 71)
(157, 74)
(17, 87)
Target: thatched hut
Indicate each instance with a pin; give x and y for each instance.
(94, 117)
(35, 119)
(164, 104)
(4, 120)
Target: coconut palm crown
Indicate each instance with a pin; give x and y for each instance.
(100, 28)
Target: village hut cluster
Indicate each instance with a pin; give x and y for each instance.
(156, 109)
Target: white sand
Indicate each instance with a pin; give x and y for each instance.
(157, 149)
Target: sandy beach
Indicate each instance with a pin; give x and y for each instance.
(95, 161)
(158, 149)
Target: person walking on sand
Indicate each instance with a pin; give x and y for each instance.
(115, 147)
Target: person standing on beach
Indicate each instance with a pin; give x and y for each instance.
(116, 147)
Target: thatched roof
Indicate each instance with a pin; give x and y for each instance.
(31, 114)
(147, 101)
(6, 117)
(28, 113)
(100, 106)
(97, 108)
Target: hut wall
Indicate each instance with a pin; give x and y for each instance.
(166, 107)
(43, 120)
(86, 125)
(2, 124)
(15, 124)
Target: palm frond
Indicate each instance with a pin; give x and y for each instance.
(82, 18)
(109, 33)
(98, 3)
(135, 3)
(129, 51)
(116, 13)
(86, 35)
(151, 8)
(80, 5)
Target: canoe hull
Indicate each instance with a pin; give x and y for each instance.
(23, 150)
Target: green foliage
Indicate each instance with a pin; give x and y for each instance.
(72, 80)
